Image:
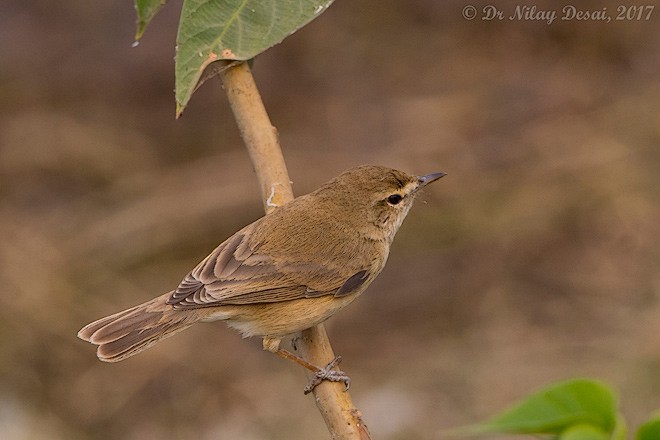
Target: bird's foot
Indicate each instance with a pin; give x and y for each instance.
(320, 374)
(328, 373)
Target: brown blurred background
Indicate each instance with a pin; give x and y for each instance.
(536, 259)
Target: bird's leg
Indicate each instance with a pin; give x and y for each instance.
(320, 374)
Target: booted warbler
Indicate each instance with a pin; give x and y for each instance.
(286, 272)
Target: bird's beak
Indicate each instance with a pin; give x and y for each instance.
(425, 180)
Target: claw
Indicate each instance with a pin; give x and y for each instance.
(320, 374)
(327, 373)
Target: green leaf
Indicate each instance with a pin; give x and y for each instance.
(146, 11)
(213, 30)
(556, 408)
(620, 430)
(649, 430)
(584, 432)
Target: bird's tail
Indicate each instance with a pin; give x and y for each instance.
(126, 333)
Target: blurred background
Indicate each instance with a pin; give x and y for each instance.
(536, 259)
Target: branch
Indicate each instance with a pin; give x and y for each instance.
(341, 417)
(259, 135)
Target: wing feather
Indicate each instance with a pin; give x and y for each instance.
(235, 273)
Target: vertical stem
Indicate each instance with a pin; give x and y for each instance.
(260, 137)
(343, 420)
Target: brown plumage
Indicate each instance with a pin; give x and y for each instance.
(286, 272)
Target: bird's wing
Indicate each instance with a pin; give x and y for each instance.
(235, 273)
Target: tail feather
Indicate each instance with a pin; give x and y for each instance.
(131, 331)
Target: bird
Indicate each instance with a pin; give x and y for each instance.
(287, 271)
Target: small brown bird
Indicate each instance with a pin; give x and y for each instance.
(286, 272)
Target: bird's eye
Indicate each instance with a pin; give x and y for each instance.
(394, 199)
